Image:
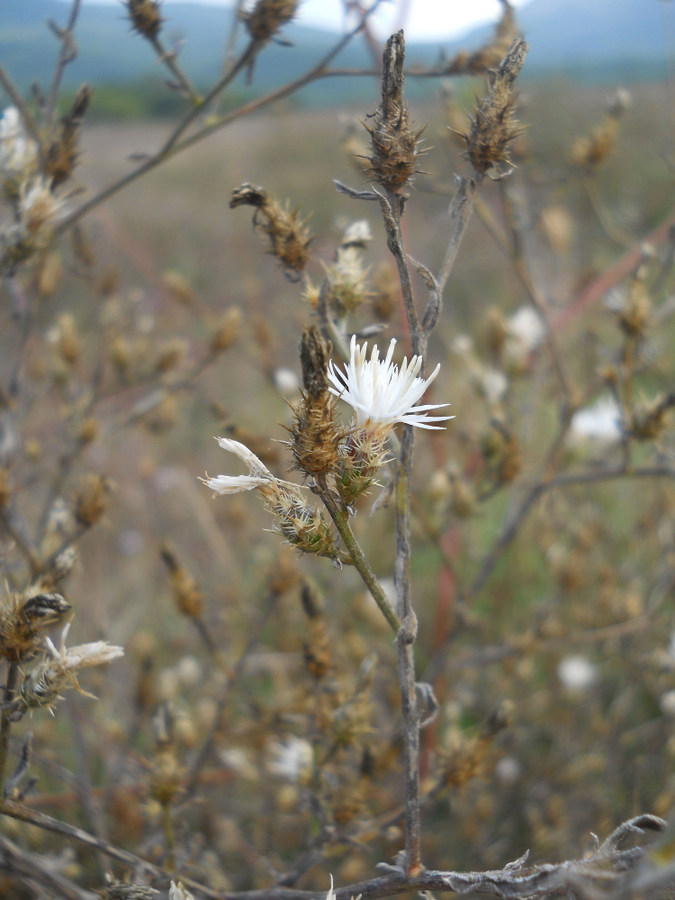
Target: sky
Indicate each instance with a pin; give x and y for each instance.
(422, 19)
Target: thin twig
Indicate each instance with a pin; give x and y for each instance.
(67, 55)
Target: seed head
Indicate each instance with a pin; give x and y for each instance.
(92, 500)
(315, 436)
(494, 127)
(394, 143)
(145, 17)
(267, 17)
(62, 152)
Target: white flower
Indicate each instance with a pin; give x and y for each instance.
(380, 393)
(178, 892)
(331, 893)
(18, 152)
(577, 673)
(258, 476)
(292, 760)
(526, 327)
(599, 422)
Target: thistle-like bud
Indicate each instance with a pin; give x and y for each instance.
(633, 312)
(92, 500)
(166, 772)
(145, 17)
(288, 234)
(187, 594)
(649, 420)
(394, 144)
(267, 17)
(494, 127)
(316, 649)
(501, 452)
(590, 150)
(315, 436)
(363, 455)
(225, 331)
(62, 152)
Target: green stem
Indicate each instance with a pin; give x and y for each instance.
(361, 565)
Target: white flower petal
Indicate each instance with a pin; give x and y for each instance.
(380, 392)
(255, 465)
(234, 484)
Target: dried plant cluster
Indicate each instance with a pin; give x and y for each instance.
(445, 634)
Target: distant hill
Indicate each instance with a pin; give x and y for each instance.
(623, 40)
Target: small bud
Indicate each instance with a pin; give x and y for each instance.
(179, 286)
(225, 331)
(92, 500)
(88, 431)
(186, 591)
(649, 419)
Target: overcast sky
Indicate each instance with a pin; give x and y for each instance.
(422, 19)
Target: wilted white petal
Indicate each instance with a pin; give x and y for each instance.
(255, 465)
(381, 393)
(234, 484)
(93, 654)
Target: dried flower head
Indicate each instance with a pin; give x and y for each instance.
(58, 671)
(62, 152)
(288, 233)
(23, 619)
(494, 127)
(187, 594)
(92, 499)
(394, 143)
(382, 394)
(315, 437)
(267, 17)
(145, 17)
(302, 525)
(589, 151)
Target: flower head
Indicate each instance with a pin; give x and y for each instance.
(382, 394)
(302, 525)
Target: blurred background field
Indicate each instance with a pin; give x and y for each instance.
(556, 678)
